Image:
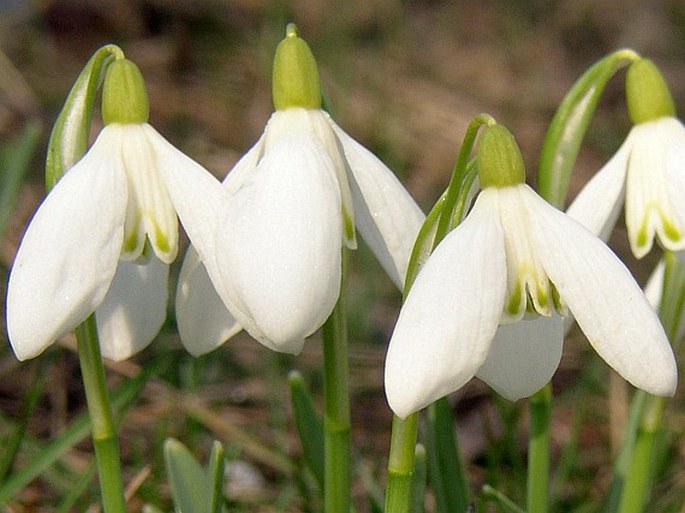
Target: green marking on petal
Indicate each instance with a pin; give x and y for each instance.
(131, 241)
(348, 227)
(559, 305)
(514, 303)
(161, 241)
(162, 244)
(668, 229)
(671, 231)
(542, 298)
(641, 239)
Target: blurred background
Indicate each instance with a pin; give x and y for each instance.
(404, 78)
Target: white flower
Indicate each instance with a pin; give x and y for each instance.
(88, 246)
(514, 255)
(295, 199)
(648, 173)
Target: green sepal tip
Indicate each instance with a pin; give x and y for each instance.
(647, 93)
(296, 80)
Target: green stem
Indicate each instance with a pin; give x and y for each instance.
(538, 450)
(446, 214)
(398, 496)
(105, 439)
(636, 487)
(337, 407)
(571, 120)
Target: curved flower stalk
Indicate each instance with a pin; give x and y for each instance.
(103, 237)
(295, 200)
(514, 261)
(647, 172)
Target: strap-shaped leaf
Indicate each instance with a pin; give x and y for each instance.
(446, 469)
(187, 479)
(570, 123)
(69, 137)
(216, 470)
(309, 426)
(16, 158)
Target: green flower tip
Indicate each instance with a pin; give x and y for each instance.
(647, 93)
(499, 159)
(124, 96)
(295, 74)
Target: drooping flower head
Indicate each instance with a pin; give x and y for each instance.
(487, 301)
(647, 171)
(295, 200)
(103, 237)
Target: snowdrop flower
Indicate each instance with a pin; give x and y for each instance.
(103, 237)
(295, 200)
(513, 258)
(647, 172)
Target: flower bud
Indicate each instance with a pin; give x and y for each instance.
(647, 93)
(499, 159)
(295, 74)
(124, 96)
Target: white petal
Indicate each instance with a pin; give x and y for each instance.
(605, 300)
(523, 356)
(445, 327)
(280, 245)
(675, 176)
(242, 169)
(654, 201)
(196, 195)
(134, 308)
(69, 253)
(387, 216)
(203, 321)
(527, 282)
(315, 124)
(150, 214)
(598, 204)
